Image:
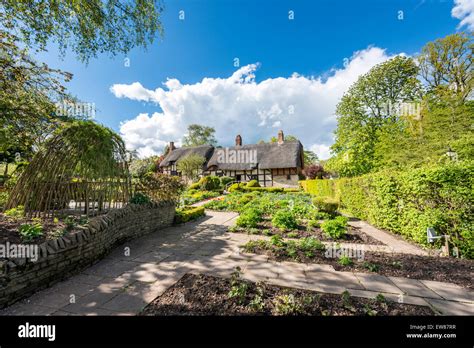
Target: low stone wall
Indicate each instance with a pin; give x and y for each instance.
(60, 258)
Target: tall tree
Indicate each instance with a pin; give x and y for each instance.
(88, 27)
(190, 166)
(446, 65)
(199, 135)
(366, 107)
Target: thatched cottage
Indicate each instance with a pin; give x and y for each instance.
(272, 164)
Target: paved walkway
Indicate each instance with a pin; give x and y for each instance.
(123, 285)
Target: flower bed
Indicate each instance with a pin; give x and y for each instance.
(208, 295)
(353, 234)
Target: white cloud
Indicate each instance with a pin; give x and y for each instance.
(321, 150)
(464, 11)
(301, 106)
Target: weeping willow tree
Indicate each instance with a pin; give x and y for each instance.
(83, 167)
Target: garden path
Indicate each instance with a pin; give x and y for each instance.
(123, 285)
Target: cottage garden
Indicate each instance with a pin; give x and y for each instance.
(390, 234)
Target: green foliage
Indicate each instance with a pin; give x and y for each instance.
(284, 220)
(345, 261)
(253, 183)
(238, 287)
(310, 244)
(194, 186)
(190, 213)
(86, 27)
(192, 196)
(257, 304)
(161, 187)
(140, 167)
(190, 165)
(140, 198)
(15, 213)
(209, 183)
(287, 305)
(319, 187)
(374, 134)
(28, 232)
(326, 204)
(225, 180)
(366, 107)
(249, 218)
(410, 201)
(371, 266)
(238, 186)
(277, 240)
(335, 228)
(3, 198)
(292, 235)
(199, 135)
(313, 223)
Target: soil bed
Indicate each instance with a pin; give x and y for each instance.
(353, 235)
(9, 229)
(451, 270)
(208, 295)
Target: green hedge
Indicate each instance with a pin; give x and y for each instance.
(408, 202)
(188, 213)
(319, 187)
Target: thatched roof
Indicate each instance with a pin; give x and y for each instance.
(175, 155)
(289, 154)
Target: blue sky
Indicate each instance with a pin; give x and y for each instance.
(325, 39)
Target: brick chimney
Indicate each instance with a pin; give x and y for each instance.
(281, 137)
(171, 147)
(238, 140)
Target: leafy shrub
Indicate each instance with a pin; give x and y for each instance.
(291, 189)
(16, 213)
(310, 244)
(188, 214)
(193, 196)
(313, 223)
(335, 228)
(257, 304)
(287, 305)
(28, 232)
(225, 180)
(326, 204)
(284, 220)
(249, 218)
(277, 240)
(345, 261)
(264, 189)
(209, 183)
(161, 187)
(140, 198)
(238, 186)
(238, 288)
(253, 183)
(194, 186)
(371, 266)
(293, 235)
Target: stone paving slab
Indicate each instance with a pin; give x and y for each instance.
(452, 307)
(449, 291)
(376, 282)
(414, 287)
